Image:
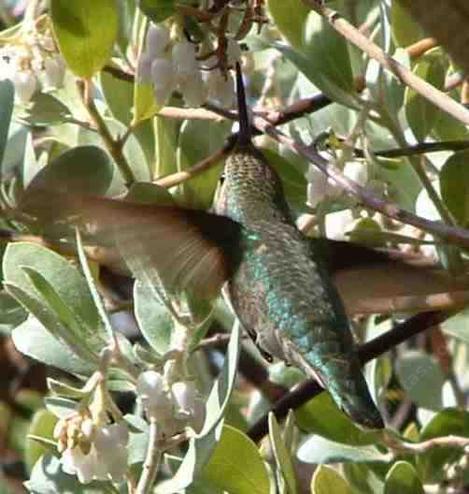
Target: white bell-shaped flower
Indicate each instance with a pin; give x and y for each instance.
(220, 89)
(356, 171)
(193, 90)
(185, 63)
(155, 399)
(162, 75)
(144, 68)
(157, 40)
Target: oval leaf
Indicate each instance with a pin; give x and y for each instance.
(86, 31)
(403, 478)
(326, 480)
(236, 465)
(454, 186)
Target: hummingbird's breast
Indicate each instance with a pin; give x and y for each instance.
(280, 291)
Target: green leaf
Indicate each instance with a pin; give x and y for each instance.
(201, 447)
(6, 109)
(338, 427)
(289, 17)
(157, 10)
(68, 283)
(85, 169)
(196, 141)
(149, 193)
(458, 326)
(42, 424)
(61, 407)
(86, 31)
(32, 339)
(283, 460)
(362, 479)
(154, 320)
(11, 313)
(405, 31)
(327, 480)
(236, 465)
(445, 423)
(46, 110)
(422, 378)
(118, 95)
(421, 114)
(166, 132)
(454, 185)
(317, 449)
(312, 66)
(403, 479)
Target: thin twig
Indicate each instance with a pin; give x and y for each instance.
(201, 166)
(152, 460)
(310, 388)
(113, 146)
(426, 90)
(452, 234)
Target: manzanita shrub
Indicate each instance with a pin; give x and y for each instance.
(153, 392)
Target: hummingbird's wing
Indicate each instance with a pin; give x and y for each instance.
(184, 249)
(371, 281)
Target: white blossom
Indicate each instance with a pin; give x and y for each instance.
(162, 74)
(157, 40)
(144, 68)
(91, 451)
(220, 89)
(185, 63)
(193, 90)
(357, 172)
(154, 396)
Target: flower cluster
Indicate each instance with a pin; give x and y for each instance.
(92, 451)
(173, 406)
(171, 66)
(32, 62)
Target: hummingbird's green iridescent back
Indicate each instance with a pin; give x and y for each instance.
(281, 291)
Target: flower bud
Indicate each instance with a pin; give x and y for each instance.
(157, 40)
(25, 83)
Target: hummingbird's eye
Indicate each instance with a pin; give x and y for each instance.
(222, 178)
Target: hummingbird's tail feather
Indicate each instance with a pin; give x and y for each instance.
(344, 380)
(244, 136)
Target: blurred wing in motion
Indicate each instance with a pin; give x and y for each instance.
(371, 281)
(182, 248)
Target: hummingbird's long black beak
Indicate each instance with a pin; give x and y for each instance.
(244, 135)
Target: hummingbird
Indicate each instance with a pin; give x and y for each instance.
(280, 283)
